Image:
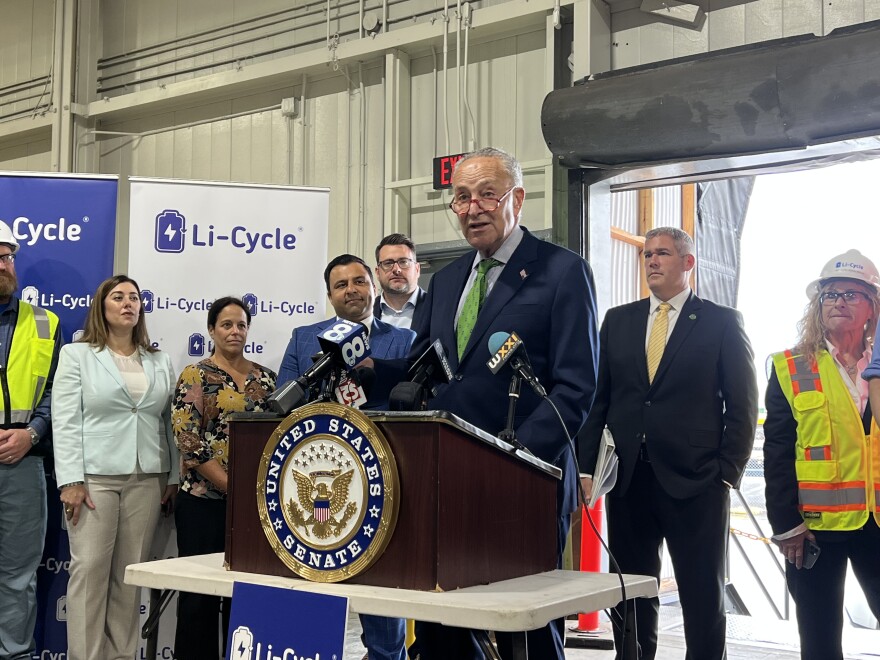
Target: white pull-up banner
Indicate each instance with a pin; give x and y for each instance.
(192, 242)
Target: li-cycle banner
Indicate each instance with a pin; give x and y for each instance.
(192, 242)
(65, 226)
(273, 622)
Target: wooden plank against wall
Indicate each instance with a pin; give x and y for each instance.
(689, 219)
(626, 237)
(646, 222)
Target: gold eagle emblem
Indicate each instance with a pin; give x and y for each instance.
(320, 502)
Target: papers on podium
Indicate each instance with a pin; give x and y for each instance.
(605, 473)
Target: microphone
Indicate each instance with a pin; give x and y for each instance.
(349, 340)
(366, 378)
(430, 370)
(406, 396)
(507, 347)
(296, 392)
(344, 344)
(354, 387)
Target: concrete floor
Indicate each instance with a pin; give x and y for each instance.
(749, 638)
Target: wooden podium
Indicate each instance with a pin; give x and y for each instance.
(471, 511)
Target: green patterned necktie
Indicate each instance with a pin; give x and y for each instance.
(472, 305)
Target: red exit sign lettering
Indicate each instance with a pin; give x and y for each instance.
(443, 168)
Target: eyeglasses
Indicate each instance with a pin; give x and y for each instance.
(849, 297)
(389, 264)
(487, 202)
(7, 258)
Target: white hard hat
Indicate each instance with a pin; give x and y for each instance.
(6, 236)
(851, 265)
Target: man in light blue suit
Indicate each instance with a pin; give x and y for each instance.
(351, 292)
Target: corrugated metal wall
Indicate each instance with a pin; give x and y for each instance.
(159, 51)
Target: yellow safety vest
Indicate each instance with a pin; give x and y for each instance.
(837, 465)
(30, 359)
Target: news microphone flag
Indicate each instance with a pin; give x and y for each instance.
(348, 340)
(502, 346)
(508, 347)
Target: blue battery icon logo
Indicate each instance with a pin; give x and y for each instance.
(147, 300)
(170, 228)
(252, 302)
(196, 346)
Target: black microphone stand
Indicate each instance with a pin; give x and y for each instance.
(509, 434)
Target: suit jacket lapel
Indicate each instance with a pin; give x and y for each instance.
(150, 372)
(687, 320)
(515, 273)
(378, 340)
(639, 327)
(447, 306)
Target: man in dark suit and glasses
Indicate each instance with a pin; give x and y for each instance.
(677, 389)
(398, 270)
(510, 281)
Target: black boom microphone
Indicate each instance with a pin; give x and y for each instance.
(296, 392)
(430, 370)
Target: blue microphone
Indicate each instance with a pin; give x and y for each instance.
(344, 345)
(347, 340)
(507, 347)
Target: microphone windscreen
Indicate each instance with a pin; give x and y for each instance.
(366, 377)
(496, 341)
(405, 396)
(287, 397)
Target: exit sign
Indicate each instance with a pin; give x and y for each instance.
(443, 167)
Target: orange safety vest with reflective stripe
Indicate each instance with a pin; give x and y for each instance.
(837, 465)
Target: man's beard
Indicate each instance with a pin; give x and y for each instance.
(398, 287)
(8, 284)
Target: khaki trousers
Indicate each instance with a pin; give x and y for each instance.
(102, 611)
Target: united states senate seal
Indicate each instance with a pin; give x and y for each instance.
(328, 492)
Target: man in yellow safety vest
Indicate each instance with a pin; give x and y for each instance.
(29, 343)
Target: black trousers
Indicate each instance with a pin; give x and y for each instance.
(438, 642)
(818, 592)
(201, 529)
(695, 530)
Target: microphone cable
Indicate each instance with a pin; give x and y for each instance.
(612, 562)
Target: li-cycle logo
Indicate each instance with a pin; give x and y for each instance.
(30, 232)
(72, 301)
(245, 648)
(173, 236)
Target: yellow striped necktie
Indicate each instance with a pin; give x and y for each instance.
(657, 340)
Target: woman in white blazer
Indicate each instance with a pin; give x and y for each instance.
(114, 458)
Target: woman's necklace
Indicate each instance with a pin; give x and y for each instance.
(851, 369)
(238, 373)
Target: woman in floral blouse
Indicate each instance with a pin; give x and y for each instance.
(208, 394)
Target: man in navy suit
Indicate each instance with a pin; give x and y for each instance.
(683, 419)
(398, 270)
(545, 294)
(351, 292)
